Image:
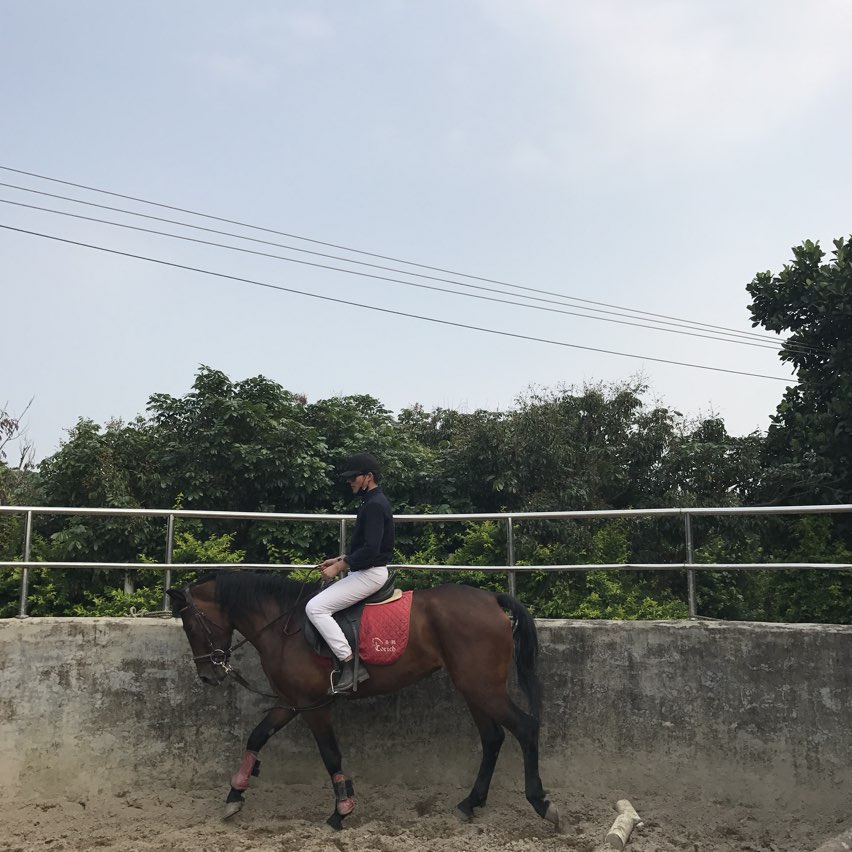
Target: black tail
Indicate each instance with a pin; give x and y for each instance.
(526, 651)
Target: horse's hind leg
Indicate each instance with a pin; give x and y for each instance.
(525, 729)
(274, 720)
(492, 736)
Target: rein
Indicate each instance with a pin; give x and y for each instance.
(221, 658)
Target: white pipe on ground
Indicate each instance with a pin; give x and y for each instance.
(625, 822)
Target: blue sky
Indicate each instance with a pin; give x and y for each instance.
(651, 155)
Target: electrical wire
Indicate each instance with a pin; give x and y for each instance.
(722, 335)
(349, 303)
(372, 254)
(373, 276)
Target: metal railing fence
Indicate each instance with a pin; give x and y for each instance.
(509, 519)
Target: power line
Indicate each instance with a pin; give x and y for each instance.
(367, 253)
(376, 277)
(349, 303)
(722, 335)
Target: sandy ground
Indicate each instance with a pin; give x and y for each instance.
(387, 819)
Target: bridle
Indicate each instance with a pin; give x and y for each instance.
(217, 656)
(220, 658)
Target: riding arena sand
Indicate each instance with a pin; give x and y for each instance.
(387, 819)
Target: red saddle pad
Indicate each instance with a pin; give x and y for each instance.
(384, 631)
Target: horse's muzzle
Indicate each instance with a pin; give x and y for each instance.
(210, 673)
(213, 667)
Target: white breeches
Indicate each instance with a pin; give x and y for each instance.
(354, 587)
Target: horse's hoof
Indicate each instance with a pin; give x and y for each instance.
(232, 808)
(462, 815)
(335, 821)
(552, 814)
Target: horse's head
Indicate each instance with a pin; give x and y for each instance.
(207, 627)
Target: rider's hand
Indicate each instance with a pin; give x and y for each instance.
(332, 567)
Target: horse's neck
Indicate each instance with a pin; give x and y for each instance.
(267, 624)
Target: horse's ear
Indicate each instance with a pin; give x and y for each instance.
(176, 594)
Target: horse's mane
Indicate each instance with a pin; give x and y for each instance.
(243, 591)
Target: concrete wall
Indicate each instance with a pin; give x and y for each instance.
(754, 711)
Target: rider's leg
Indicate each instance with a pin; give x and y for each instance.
(356, 586)
(350, 590)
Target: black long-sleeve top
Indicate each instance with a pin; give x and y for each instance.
(373, 536)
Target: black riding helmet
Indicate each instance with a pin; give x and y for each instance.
(361, 463)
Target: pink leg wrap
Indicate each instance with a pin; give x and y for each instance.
(240, 779)
(344, 806)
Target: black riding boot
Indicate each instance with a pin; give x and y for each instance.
(344, 680)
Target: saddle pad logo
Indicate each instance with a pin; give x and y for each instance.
(384, 631)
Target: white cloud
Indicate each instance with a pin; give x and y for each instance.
(290, 30)
(234, 69)
(255, 52)
(679, 79)
(530, 157)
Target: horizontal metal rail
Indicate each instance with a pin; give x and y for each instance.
(833, 508)
(528, 569)
(508, 518)
(177, 513)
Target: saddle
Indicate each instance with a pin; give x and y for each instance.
(349, 619)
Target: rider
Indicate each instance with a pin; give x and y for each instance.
(370, 551)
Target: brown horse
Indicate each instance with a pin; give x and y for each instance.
(459, 628)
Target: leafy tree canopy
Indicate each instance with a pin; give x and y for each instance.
(809, 443)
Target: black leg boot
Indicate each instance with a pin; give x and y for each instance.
(344, 681)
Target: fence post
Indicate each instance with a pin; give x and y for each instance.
(510, 554)
(342, 536)
(690, 574)
(25, 571)
(170, 546)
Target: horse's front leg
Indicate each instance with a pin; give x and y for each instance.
(274, 721)
(319, 722)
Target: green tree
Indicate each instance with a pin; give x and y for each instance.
(808, 448)
(809, 443)
(110, 467)
(240, 446)
(254, 446)
(237, 446)
(351, 424)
